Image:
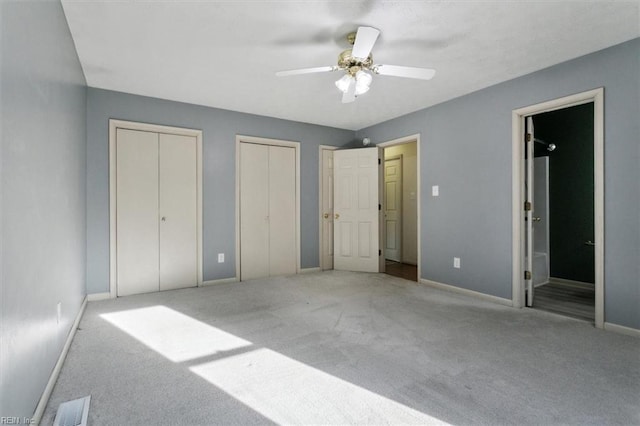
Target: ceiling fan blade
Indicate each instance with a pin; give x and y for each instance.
(408, 72)
(365, 39)
(350, 95)
(306, 71)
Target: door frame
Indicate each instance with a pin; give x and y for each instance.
(596, 97)
(270, 142)
(321, 200)
(384, 202)
(114, 125)
(401, 141)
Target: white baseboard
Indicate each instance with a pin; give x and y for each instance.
(622, 329)
(44, 399)
(309, 270)
(220, 281)
(94, 297)
(472, 293)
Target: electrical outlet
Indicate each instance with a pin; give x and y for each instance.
(59, 312)
(456, 262)
(220, 257)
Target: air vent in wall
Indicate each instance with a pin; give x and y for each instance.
(73, 413)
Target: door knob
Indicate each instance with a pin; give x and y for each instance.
(536, 219)
(163, 219)
(589, 243)
(326, 215)
(337, 216)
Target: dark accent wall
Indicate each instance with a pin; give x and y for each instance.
(43, 110)
(571, 185)
(220, 128)
(466, 149)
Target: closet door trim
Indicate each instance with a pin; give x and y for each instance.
(114, 125)
(273, 142)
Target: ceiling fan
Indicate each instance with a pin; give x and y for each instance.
(358, 65)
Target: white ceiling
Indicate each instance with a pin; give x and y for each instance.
(225, 54)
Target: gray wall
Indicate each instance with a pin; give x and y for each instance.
(220, 128)
(466, 149)
(43, 160)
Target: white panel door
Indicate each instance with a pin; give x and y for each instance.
(254, 211)
(178, 212)
(393, 209)
(356, 225)
(137, 239)
(327, 209)
(282, 210)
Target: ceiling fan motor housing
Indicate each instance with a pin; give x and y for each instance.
(352, 64)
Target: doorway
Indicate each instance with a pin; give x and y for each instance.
(406, 265)
(563, 258)
(558, 207)
(400, 210)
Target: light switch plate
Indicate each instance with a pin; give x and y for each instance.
(456, 262)
(435, 190)
(220, 257)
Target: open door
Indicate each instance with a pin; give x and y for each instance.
(356, 210)
(528, 211)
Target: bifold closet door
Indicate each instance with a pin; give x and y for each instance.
(282, 211)
(156, 212)
(267, 211)
(137, 238)
(178, 215)
(254, 211)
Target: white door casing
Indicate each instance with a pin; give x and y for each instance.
(356, 210)
(393, 208)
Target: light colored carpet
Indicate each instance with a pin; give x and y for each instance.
(342, 348)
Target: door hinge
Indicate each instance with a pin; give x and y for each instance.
(527, 275)
(379, 252)
(528, 139)
(379, 161)
(527, 206)
(379, 206)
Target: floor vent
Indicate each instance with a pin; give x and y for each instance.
(73, 413)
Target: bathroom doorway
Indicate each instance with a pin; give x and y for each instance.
(539, 263)
(563, 263)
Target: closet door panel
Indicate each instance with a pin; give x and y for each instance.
(137, 239)
(282, 211)
(254, 211)
(178, 212)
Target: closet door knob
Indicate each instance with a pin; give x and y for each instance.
(163, 219)
(337, 216)
(326, 215)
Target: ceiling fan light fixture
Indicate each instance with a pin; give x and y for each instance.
(343, 83)
(363, 81)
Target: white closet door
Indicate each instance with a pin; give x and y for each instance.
(137, 240)
(254, 211)
(393, 209)
(178, 214)
(282, 210)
